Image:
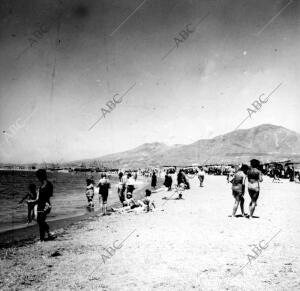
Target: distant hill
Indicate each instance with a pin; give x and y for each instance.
(265, 142)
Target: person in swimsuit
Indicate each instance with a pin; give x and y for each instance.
(254, 179)
(90, 192)
(31, 195)
(201, 175)
(130, 183)
(230, 174)
(238, 189)
(122, 188)
(138, 206)
(147, 203)
(104, 187)
(43, 204)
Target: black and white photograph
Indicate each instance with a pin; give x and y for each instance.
(150, 145)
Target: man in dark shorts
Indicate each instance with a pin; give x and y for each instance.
(254, 179)
(43, 204)
(130, 183)
(238, 189)
(104, 187)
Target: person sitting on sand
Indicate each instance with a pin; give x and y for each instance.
(128, 204)
(104, 186)
(43, 204)
(148, 203)
(31, 195)
(90, 192)
(180, 189)
(238, 189)
(129, 201)
(254, 179)
(132, 205)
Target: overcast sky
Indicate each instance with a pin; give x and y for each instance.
(52, 92)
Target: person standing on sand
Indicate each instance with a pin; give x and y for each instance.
(130, 183)
(238, 189)
(230, 174)
(201, 176)
(168, 181)
(122, 188)
(104, 187)
(120, 176)
(254, 179)
(154, 180)
(43, 204)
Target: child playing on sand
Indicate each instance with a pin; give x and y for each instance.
(90, 192)
(238, 189)
(31, 195)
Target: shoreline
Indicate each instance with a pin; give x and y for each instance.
(23, 234)
(182, 245)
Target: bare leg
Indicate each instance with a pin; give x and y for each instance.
(104, 209)
(29, 214)
(242, 200)
(235, 207)
(252, 208)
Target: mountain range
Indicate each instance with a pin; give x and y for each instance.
(266, 142)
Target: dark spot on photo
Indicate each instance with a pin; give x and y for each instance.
(81, 11)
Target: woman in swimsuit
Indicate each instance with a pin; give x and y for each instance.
(254, 179)
(238, 189)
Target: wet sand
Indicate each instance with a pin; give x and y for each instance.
(192, 244)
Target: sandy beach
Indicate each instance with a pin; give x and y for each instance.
(188, 244)
(20, 233)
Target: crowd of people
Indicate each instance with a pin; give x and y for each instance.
(39, 206)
